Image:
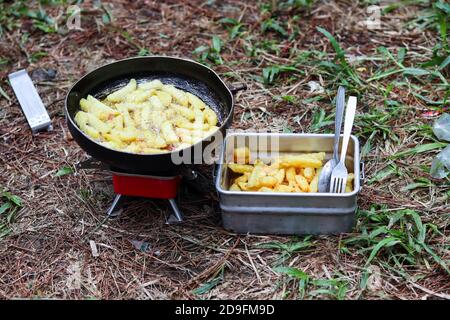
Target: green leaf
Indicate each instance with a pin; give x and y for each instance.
(365, 150)
(419, 225)
(388, 54)
(444, 63)
(12, 198)
(401, 55)
(228, 21)
(293, 272)
(235, 31)
(273, 25)
(216, 44)
(200, 49)
(340, 53)
(405, 71)
(419, 149)
(143, 52)
(271, 72)
(416, 185)
(436, 258)
(415, 71)
(383, 174)
(384, 74)
(445, 7)
(4, 231)
(5, 207)
(287, 98)
(63, 171)
(427, 100)
(204, 288)
(387, 242)
(289, 247)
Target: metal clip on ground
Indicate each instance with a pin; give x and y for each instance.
(28, 97)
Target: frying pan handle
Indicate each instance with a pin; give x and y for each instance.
(235, 88)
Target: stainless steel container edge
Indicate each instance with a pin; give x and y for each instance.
(289, 213)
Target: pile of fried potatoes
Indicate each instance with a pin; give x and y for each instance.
(149, 117)
(288, 173)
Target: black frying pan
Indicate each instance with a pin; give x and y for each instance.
(184, 74)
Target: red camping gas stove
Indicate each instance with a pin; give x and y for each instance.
(141, 185)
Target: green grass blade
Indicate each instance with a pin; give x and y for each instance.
(419, 149)
(339, 51)
(388, 242)
(293, 272)
(384, 75)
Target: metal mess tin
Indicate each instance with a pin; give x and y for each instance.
(287, 213)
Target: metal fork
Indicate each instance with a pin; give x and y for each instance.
(339, 174)
(325, 175)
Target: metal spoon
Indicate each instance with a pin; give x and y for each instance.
(325, 175)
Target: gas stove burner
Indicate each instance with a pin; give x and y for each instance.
(142, 185)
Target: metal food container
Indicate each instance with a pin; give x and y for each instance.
(287, 213)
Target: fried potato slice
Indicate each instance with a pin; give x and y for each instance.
(241, 155)
(309, 173)
(254, 180)
(81, 120)
(240, 168)
(154, 84)
(185, 112)
(199, 119)
(168, 133)
(349, 184)
(153, 140)
(314, 184)
(265, 189)
(178, 95)
(138, 96)
(121, 94)
(195, 102)
(243, 186)
(156, 103)
(268, 181)
(117, 122)
(96, 123)
(164, 97)
(299, 161)
(280, 175)
(283, 188)
(290, 175)
(210, 116)
(97, 108)
(302, 183)
(243, 178)
(317, 155)
(235, 187)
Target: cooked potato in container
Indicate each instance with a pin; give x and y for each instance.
(147, 118)
(288, 173)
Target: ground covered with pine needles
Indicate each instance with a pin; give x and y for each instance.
(292, 55)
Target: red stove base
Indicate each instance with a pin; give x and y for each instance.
(146, 186)
(137, 185)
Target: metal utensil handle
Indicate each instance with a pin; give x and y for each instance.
(362, 174)
(340, 102)
(348, 124)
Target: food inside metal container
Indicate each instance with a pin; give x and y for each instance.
(286, 173)
(147, 118)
